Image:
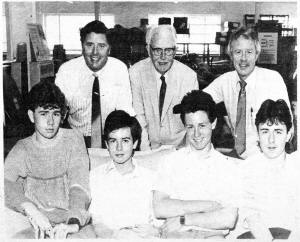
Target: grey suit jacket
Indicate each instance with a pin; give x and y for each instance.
(180, 80)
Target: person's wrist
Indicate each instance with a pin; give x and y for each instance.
(28, 207)
(182, 219)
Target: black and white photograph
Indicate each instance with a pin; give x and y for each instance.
(136, 120)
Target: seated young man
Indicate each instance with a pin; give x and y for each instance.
(47, 174)
(197, 190)
(271, 178)
(121, 189)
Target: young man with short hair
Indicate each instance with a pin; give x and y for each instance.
(197, 189)
(271, 178)
(47, 174)
(121, 190)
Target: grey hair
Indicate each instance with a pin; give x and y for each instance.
(247, 33)
(157, 29)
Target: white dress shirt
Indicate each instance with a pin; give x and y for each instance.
(76, 80)
(262, 84)
(120, 201)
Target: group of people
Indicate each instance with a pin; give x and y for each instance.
(196, 192)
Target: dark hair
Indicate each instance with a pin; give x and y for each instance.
(194, 101)
(274, 112)
(46, 95)
(247, 33)
(95, 26)
(120, 119)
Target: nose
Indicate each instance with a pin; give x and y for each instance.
(119, 146)
(163, 54)
(196, 132)
(244, 55)
(271, 137)
(50, 120)
(95, 50)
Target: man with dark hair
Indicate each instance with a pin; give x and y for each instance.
(244, 89)
(96, 81)
(121, 189)
(158, 83)
(47, 174)
(271, 179)
(197, 188)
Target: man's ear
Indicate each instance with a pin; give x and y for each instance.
(30, 115)
(214, 123)
(135, 144)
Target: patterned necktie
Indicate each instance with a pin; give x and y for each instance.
(162, 94)
(240, 128)
(96, 141)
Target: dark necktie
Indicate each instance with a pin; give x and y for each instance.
(240, 128)
(96, 135)
(162, 94)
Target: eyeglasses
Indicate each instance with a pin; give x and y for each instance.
(166, 51)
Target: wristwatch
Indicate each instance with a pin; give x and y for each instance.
(182, 220)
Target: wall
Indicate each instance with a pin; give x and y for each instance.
(129, 14)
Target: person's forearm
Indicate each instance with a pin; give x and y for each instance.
(78, 198)
(14, 195)
(166, 208)
(224, 218)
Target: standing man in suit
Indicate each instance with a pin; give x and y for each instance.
(245, 89)
(94, 74)
(159, 83)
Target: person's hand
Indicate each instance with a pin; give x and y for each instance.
(38, 220)
(170, 225)
(62, 230)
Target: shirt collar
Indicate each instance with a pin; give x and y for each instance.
(111, 168)
(190, 151)
(250, 80)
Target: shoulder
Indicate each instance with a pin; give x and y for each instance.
(140, 65)
(71, 136)
(268, 73)
(178, 66)
(226, 76)
(115, 63)
(71, 64)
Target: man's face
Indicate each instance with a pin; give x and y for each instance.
(162, 42)
(272, 139)
(244, 56)
(46, 122)
(120, 145)
(199, 130)
(95, 50)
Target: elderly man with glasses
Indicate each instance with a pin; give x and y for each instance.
(159, 83)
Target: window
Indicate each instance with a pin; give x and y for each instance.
(4, 40)
(203, 28)
(64, 29)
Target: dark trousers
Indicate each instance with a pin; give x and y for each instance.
(277, 233)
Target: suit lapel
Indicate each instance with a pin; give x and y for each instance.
(151, 87)
(171, 90)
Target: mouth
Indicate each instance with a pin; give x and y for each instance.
(163, 63)
(50, 130)
(272, 148)
(95, 58)
(119, 155)
(243, 66)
